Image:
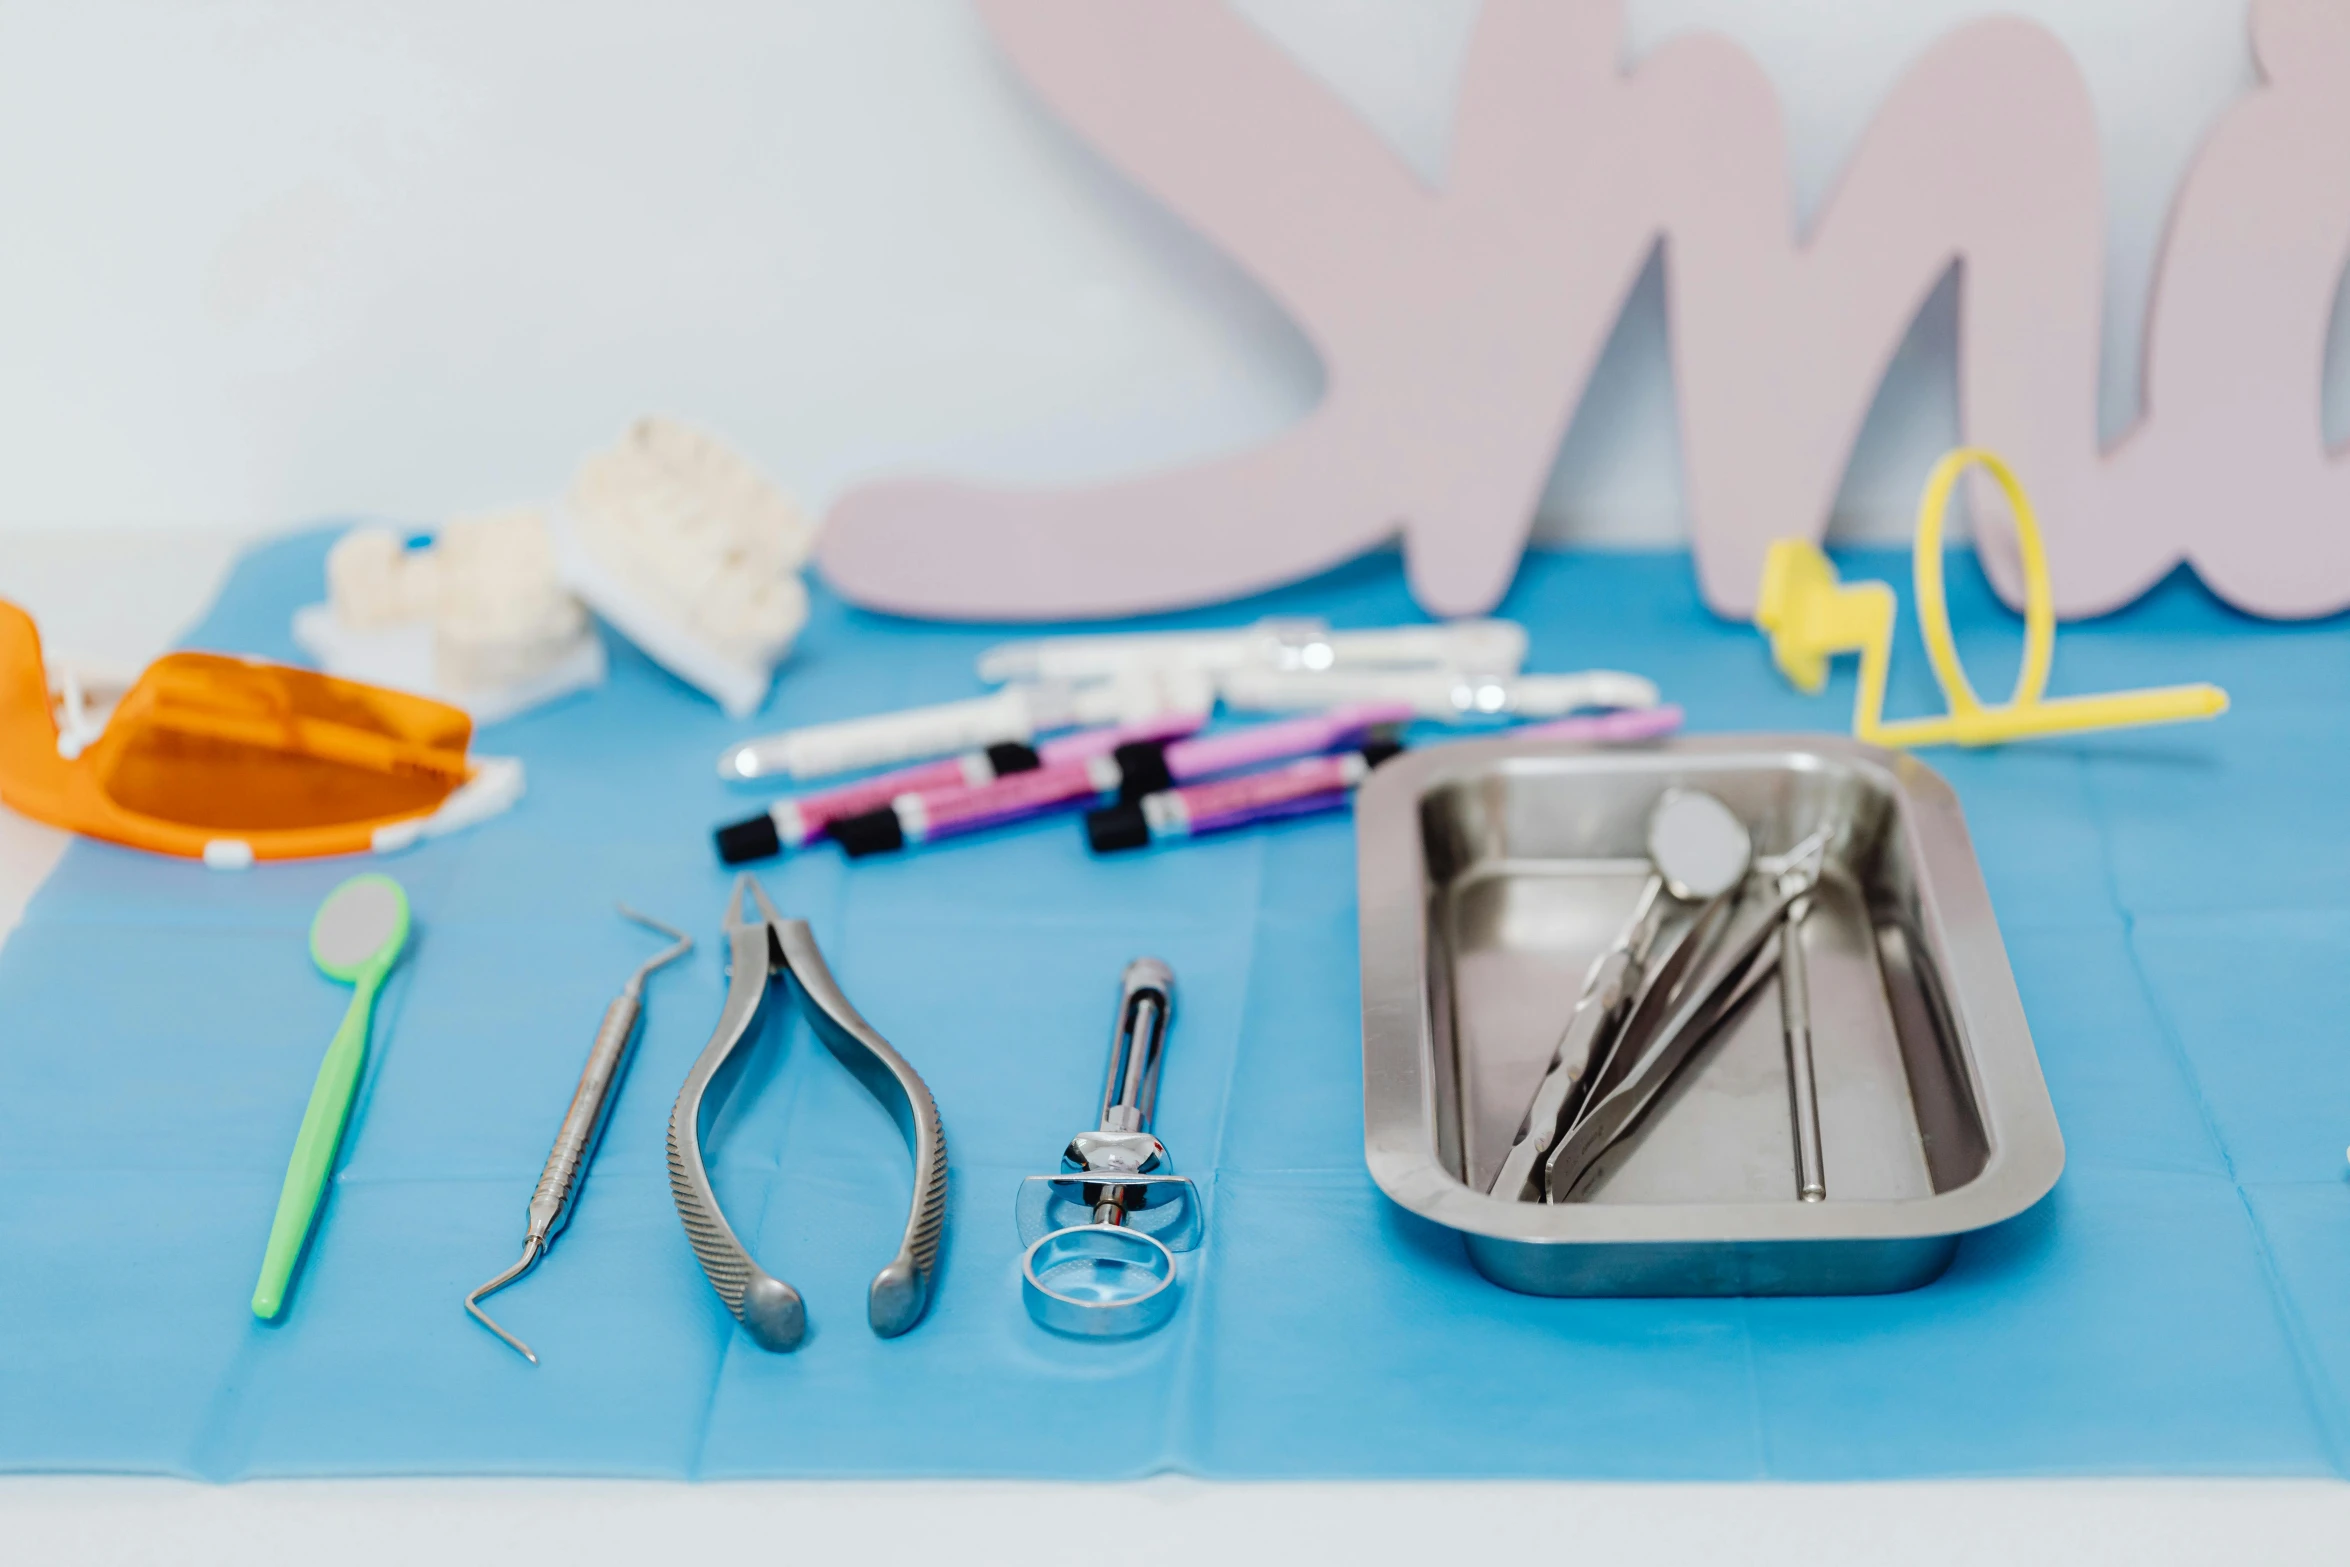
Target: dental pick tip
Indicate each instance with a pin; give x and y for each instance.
(530, 1254)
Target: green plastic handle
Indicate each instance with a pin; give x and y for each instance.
(314, 1146)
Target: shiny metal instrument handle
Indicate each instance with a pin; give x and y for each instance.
(583, 1122)
(583, 1126)
(1744, 957)
(771, 1311)
(1606, 992)
(1138, 1041)
(1803, 1092)
(900, 1292)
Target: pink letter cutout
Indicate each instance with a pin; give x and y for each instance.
(1458, 328)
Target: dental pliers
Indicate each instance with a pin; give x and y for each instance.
(765, 948)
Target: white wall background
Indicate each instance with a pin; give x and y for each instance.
(267, 260)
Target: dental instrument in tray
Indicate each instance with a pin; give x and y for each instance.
(1698, 851)
(1018, 712)
(1735, 951)
(1488, 646)
(1447, 695)
(798, 822)
(1129, 771)
(1803, 1089)
(765, 950)
(1101, 1235)
(583, 1125)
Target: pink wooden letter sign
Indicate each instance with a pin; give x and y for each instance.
(1458, 327)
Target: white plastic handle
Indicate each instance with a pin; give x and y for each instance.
(1487, 646)
(1494, 647)
(1108, 657)
(909, 735)
(1446, 695)
(1142, 694)
(1555, 696)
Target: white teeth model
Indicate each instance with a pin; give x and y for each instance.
(692, 555)
(504, 616)
(373, 581)
(479, 618)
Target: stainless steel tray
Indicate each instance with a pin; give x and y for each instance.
(1493, 872)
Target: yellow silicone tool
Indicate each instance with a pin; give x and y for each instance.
(1811, 617)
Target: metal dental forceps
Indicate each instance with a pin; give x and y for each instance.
(762, 949)
(583, 1125)
(1699, 852)
(1738, 958)
(1102, 1234)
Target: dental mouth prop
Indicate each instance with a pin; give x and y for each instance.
(1016, 713)
(763, 950)
(1491, 646)
(1738, 952)
(1446, 695)
(1102, 1234)
(1698, 850)
(1810, 617)
(796, 823)
(233, 760)
(583, 1125)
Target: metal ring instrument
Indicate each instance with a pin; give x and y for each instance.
(761, 949)
(1102, 1234)
(583, 1125)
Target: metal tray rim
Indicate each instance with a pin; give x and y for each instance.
(2027, 1149)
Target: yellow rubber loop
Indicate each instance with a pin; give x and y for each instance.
(1934, 612)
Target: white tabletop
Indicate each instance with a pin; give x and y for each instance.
(116, 600)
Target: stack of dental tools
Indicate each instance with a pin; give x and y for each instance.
(1712, 923)
(962, 767)
(1128, 772)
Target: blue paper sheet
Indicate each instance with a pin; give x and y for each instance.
(2173, 902)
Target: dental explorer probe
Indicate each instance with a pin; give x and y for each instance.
(583, 1125)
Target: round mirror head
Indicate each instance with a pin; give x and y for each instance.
(1698, 844)
(364, 919)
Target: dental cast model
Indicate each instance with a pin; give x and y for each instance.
(478, 618)
(690, 554)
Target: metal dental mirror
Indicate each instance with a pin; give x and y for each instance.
(1668, 1028)
(1698, 850)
